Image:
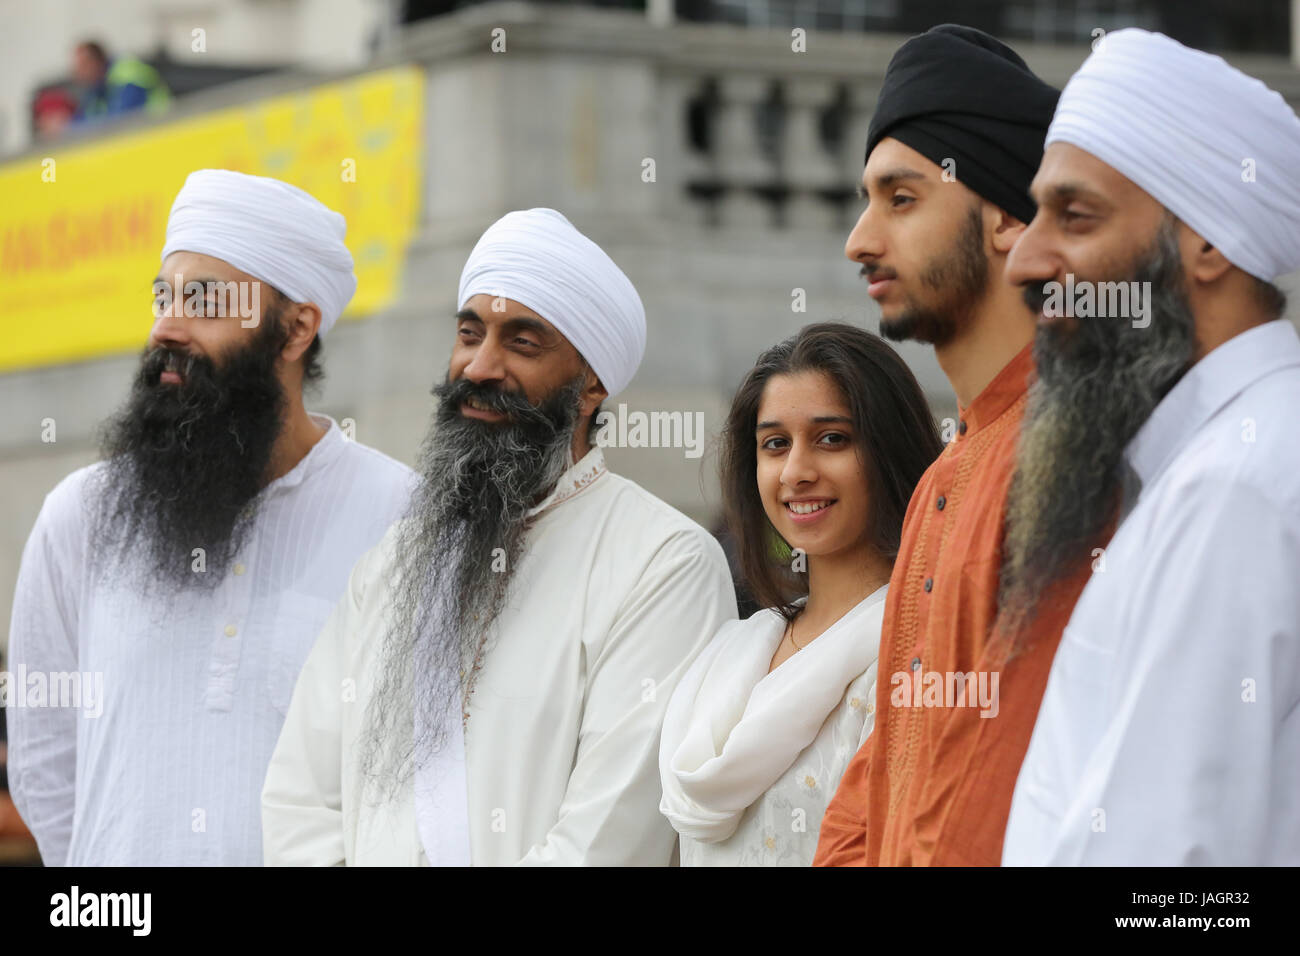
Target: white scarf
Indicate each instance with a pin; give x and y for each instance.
(732, 729)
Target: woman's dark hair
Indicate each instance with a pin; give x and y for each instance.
(892, 424)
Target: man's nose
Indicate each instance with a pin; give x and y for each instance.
(486, 365)
(1031, 260)
(864, 244)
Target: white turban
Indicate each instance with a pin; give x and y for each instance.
(1215, 147)
(273, 231)
(538, 259)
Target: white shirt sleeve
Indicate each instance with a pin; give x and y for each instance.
(302, 797)
(610, 813)
(42, 762)
(1197, 762)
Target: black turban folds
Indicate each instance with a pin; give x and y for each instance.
(957, 93)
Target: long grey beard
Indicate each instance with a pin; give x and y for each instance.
(455, 556)
(1096, 386)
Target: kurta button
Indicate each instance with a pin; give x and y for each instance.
(230, 630)
(929, 583)
(962, 426)
(239, 569)
(942, 501)
(916, 663)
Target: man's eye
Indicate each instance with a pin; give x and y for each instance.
(520, 340)
(900, 200)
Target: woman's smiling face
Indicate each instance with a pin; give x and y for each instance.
(811, 472)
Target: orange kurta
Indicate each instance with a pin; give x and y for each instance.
(932, 785)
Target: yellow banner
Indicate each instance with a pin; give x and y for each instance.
(81, 227)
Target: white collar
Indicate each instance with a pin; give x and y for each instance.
(1207, 386)
(578, 478)
(320, 454)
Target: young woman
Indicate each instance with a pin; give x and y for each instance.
(826, 439)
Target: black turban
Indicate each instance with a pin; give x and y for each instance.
(956, 92)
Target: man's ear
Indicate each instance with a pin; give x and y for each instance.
(302, 322)
(1006, 230)
(593, 393)
(1202, 262)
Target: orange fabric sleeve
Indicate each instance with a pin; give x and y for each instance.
(842, 840)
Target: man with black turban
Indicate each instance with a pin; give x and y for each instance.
(955, 140)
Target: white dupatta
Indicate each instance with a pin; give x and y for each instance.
(732, 729)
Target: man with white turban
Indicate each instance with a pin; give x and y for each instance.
(171, 592)
(507, 652)
(1168, 205)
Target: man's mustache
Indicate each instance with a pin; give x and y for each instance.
(161, 359)
(1035, 294)
(873, 272)
(514, 404)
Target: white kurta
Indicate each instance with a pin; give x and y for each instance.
(1169, 732)
(615, 595)
(195, 684)
(750, 759)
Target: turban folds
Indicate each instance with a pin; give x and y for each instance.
(957, 93)
(273, 231)
(1215, 147)
(537, 258)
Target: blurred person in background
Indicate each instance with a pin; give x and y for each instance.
(52, 111)
(17, 846)
(173, 590)
(113, 87)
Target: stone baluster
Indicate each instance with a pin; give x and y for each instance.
(808, 167)
(742, 164)
(684, 167)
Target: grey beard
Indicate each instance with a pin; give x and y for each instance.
(1097, 383)
(455, 555)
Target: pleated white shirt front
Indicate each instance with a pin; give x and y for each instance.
(195, 683)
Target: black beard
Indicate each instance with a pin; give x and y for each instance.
(959, 276)
(455, 555)
(1098, 380)
(185, 462)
